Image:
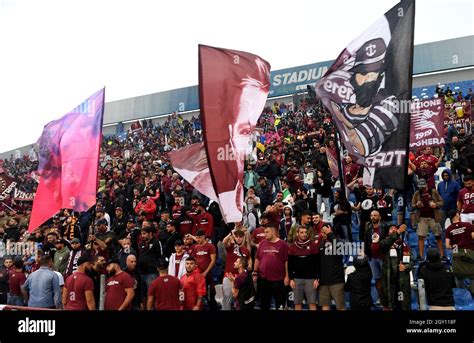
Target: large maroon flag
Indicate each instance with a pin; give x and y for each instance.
(233, 88)
(68, 161)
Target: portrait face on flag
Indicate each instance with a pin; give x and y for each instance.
(233, 88)
(364, 90)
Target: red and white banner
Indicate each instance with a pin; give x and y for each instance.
(458, 112)
(8, 186)
(191, 163)
(427, 127)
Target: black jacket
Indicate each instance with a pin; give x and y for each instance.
(359, 286)
(148, 256)
(332, 267)
(303, 264)
(439, 283)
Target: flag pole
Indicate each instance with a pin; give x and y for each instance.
(407, 156)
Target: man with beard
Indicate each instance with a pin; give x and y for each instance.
(205, 222)
(331, 281)
(397, 263)
(49, 248)
(375, 232)
(351, 170)
(194, 286)
(131, 269)
(206, 257)
(74, 256)
(78, 292)
(428, 204)
(271, 270)
(98, 268)
(119, 223)
(119, 291)
(366, 204)
(149, 252)
(303, 269)
(234, 245)
(305, 221)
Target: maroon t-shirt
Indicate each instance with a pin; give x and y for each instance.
(466, 197)
(233, 253)
(185, 227)
(77, 284)
(460, 234)
(16, 279)
(165, 289)
(115, 291)
(258, 235)
(272, 258)
(202, 254)
(426, 211)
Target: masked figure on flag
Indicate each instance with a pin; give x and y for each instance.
(364, 89)
(364, 108)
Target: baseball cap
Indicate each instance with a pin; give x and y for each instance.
(75, 240)
(370, 56)
(83, 259)
(102, 221)
(61, 241)
(118, 209)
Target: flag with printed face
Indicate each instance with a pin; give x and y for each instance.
(68, 161)
(368, 89)
(233, 89)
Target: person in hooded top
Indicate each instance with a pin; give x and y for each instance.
(287, 222)
(439, 282)
(358, 285)
(449, 190)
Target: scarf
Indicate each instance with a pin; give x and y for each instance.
(302, 244)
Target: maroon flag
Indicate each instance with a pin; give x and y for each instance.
(427, 127)
(233, 88)
(136, 126)
(366, 90)
(191, 163)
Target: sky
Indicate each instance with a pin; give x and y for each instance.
(56, 53)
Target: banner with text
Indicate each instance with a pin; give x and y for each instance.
(427, 127)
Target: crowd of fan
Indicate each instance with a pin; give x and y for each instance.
(163, 245)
